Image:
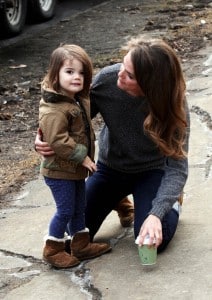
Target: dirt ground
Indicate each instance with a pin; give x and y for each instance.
(186, 25)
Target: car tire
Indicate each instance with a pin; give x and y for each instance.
(12, 17)
(42, 10)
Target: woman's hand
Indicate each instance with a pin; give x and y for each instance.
(42, 147)
(153, 228)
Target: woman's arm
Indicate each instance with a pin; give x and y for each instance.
(170, 191)
(42, 147)
(173, 181)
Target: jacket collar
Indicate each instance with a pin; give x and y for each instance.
(50, 96)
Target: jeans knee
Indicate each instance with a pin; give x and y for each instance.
(169, 226)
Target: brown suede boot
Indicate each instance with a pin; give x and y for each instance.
(125, 210)
(82, 248)
(54, 254)
(181, 199)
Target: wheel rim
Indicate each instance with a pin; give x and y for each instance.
(45, 4)
(13, 11)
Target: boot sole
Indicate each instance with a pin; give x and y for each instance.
(94, 256)
(60, 267)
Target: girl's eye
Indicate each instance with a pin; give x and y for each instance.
(70, 72)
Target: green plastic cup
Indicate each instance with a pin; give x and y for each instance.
(147, 254)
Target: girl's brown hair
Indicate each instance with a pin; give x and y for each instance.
(159, 74)
(51, 80)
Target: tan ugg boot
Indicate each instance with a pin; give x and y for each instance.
(125, 210)
(54, 253)
(82, 248)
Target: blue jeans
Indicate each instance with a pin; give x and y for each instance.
(69, 196)
(106, 187)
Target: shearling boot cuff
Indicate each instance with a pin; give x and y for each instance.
(83, 230)
(53, 238)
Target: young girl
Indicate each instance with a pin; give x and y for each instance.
(64, 120)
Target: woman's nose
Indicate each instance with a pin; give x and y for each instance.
(121, 73)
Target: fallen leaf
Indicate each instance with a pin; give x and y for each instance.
(18, 66)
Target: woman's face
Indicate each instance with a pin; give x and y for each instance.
(126, 78)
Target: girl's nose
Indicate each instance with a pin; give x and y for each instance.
(77, 76)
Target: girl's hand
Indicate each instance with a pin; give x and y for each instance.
(89, 164)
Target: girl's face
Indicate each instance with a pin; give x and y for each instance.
(126, 78)
(71, 77)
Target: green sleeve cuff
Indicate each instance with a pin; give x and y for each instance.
(79, 153)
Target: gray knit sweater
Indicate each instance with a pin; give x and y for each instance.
(123, 145)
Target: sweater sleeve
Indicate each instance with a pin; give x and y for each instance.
(94, 94)
(101, 80)
(172, 184)
(93, 107)
(173, 181)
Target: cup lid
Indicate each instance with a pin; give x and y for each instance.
(146, 240)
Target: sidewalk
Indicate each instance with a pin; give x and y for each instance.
(183, 271)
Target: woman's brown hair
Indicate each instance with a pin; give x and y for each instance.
(159, 74)
(51, 80)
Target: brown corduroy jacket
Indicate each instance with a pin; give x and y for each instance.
(66, 126)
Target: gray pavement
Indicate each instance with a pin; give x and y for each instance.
(183, 271)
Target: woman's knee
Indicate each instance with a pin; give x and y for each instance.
(169, 226)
